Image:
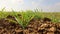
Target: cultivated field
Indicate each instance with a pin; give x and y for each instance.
(29, 22)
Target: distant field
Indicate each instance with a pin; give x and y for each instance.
(55, 16)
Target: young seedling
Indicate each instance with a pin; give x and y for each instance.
(24, 19)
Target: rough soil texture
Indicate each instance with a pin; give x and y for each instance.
(36, 26)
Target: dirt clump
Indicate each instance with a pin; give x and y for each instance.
(34, 27)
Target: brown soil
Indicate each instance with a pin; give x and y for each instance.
(36, 26)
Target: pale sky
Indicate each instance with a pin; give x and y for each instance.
(46, 5)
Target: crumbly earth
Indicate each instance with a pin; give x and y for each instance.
(36, 26)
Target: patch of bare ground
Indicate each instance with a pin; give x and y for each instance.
(36, 26)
